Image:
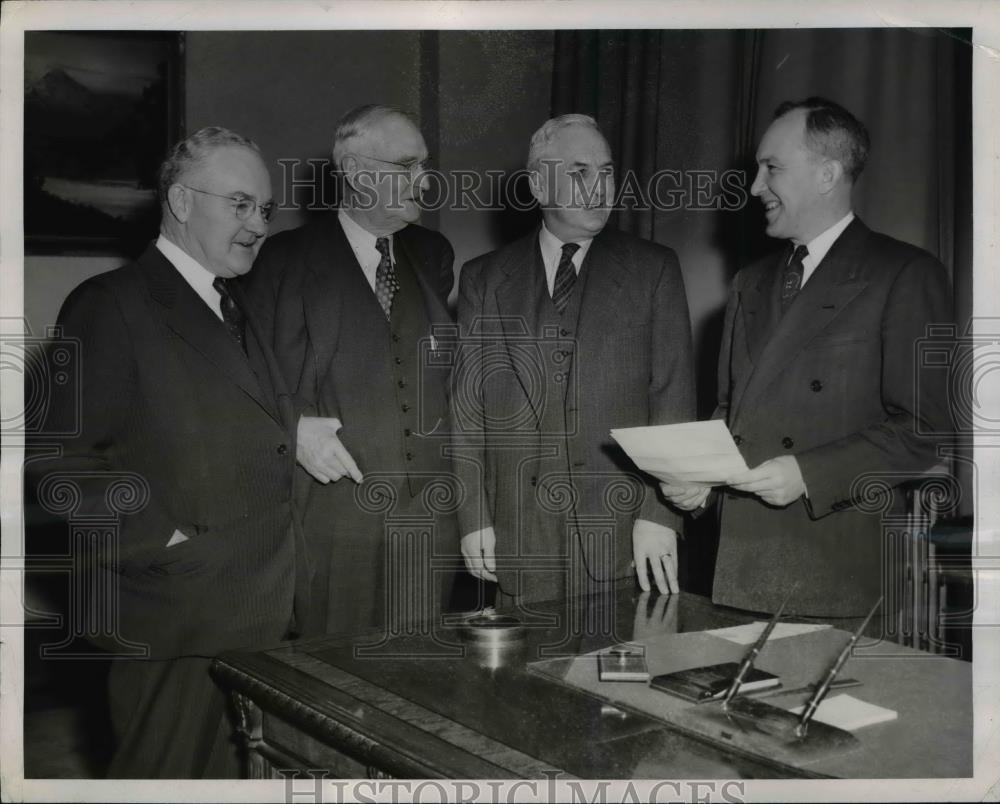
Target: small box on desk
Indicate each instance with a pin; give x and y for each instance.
(622, 663)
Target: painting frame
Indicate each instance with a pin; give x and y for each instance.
(101, 110)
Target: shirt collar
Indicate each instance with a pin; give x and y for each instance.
(362, 241)
(195, 274)
(551, 247)
(822, 243)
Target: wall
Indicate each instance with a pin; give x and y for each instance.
(286, 90)
(495, 90)
(48, 280)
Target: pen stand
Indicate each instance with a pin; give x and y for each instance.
(762, 728)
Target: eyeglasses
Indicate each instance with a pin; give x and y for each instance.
(244, 206)
(411, 167)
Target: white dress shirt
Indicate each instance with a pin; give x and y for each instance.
(551, 247)
(363, 245)
(195, 274)
(820, 245)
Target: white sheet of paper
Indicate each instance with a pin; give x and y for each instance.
(747, 634)
(850, 713)
(689, 452)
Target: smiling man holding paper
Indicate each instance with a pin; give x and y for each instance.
(817, 378)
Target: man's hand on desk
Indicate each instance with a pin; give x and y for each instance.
(321, 453)
(777, 481)
(686, 497)
(478, 550)
(656, 545)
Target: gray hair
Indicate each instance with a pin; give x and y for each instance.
(540, 139)
(192, 151)
(359, 122)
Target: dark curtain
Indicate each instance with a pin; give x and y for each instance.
(697, 102)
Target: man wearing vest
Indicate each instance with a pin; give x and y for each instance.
(817, 378)
(565, 334)
(350, 302)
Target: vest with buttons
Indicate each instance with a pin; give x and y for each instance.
(420, 396)
(556, 336)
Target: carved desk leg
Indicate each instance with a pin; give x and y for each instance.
(249, 727)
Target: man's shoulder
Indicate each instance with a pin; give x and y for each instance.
(130, 278)
(301, 236)
(120, 288)
(493, 261)
(638, 249)
(884, 247)
(424, 239)
(754, 270)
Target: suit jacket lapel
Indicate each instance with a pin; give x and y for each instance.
(835, 282)
(280, 408)
(189, 317)
(516, 305)
(761, 307)
(437, 312)
(327, 287)
(604, 304)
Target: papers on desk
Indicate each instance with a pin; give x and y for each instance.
(849, 713)
(691, 452)
(747, 634)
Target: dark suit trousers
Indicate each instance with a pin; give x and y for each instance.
(170, 721)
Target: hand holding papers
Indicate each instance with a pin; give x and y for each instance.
(690, 453)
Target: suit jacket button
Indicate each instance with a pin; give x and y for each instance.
(533, 481)
(409, 456)
(395, 338)
(401, 383)
(282, 449)
(398, 361)
(737, 440)
(787, 443)
(564, 332)
(816, 385)
(407, 432)
(405, 407)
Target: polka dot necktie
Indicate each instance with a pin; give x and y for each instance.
(232, 315)
(562, 288)
(386, 284)
(791, 282)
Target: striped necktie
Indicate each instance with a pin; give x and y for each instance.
(232, 315)
(565, 277)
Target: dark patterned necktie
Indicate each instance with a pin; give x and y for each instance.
(232, 315)
(386, 284)
(791, 282)
(565, 277)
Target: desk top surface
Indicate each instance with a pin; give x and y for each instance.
(442, 708)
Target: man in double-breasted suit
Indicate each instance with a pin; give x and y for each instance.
(818, 378)
(181, 396)
(567, 333)
(351, 303)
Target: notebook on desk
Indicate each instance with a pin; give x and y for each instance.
(702, 684)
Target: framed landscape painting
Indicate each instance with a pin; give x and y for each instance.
(100, 110)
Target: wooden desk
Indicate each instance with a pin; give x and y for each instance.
(419, 707)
